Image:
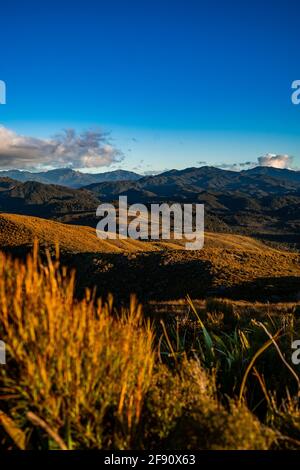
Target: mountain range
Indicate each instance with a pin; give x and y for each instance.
(260, 178)
(188, 183)
(69, 177)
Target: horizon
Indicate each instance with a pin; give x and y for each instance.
(152, 174)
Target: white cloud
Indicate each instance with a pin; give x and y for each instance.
(270, 159)
(90, 149)
(276, 161)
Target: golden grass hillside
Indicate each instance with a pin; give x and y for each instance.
(164, 268)
(16, 230)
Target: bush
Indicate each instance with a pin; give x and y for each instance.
(170, 395)
(183, 412)
(215, 428)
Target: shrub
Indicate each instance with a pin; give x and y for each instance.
(171, 395)
(215, 428)
(183, 412)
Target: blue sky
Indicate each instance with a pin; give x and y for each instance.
(175, 83)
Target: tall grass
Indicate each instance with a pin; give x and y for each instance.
(252, 362)
(74, 364)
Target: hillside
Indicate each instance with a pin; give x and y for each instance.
(20, 231)
(230, 265)
(46, 200)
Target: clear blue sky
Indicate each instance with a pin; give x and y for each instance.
(176, 82)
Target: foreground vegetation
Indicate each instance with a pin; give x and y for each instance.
(83, 374)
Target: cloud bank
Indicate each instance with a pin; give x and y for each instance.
(276, 161)
(90, 149)
(270, 159)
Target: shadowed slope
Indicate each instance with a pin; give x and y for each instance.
(227, 265)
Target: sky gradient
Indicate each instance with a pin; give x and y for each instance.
(175, 83)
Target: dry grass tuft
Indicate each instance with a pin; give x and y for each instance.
(72, 363)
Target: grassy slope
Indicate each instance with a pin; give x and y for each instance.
(21, 229)
(226, 261)
(16, 230)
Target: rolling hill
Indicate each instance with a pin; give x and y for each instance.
(33, 198)
(230, 265)
(20, 231)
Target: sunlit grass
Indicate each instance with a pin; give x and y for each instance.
(70, 362)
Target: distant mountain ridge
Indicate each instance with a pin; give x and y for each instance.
(188, 183)
(69, 177)
(260, 178)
